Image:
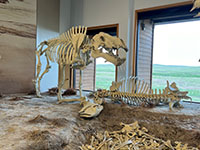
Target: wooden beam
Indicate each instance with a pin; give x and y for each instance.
(165, 6)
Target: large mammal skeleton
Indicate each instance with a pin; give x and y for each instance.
(74, 48)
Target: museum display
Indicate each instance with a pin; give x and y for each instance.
(75, 48)
(137, 92)
(128, 112)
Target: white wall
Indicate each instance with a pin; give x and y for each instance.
(52, 20)
(65, 15)
(48, 27)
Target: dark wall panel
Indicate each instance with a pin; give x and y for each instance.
(144, 53)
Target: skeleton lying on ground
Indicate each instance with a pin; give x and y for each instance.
(136, 92)
(74, 48)
(131, 137)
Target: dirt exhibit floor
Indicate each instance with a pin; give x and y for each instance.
(30, 123)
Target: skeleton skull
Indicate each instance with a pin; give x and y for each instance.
(90, 110)
(101, 45)
(174, 91)
(110, 44)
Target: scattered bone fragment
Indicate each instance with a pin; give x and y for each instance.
(131, 137)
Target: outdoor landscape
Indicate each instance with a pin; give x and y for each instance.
(187, 78)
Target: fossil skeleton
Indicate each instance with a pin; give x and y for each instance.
(75, 48)
(137, 92)
(131, 137)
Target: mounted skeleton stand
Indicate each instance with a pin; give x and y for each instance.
(74, 48)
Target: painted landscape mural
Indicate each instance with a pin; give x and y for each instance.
(17, 45)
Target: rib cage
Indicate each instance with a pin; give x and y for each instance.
(134, 85)
(65, 48)
(136, 92)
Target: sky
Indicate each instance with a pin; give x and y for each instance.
(177, 44)
(101, 61)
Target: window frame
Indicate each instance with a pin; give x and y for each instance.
(137, 29)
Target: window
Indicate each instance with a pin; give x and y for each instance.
(176, 53)
(147, 55)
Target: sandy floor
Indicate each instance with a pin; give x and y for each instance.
(30, 123)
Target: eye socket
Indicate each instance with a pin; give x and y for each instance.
(102, 38)
(130, 134)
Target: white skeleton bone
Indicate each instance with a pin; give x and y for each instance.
(74, 48)
(131, 137)
(137, 92)
(90, 109)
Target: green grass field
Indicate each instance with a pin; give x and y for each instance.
(105, 74)
(187, 78)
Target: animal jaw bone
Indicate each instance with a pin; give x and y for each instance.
(131, 136)
(136, 92)
(104, 41)
(109, 57)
